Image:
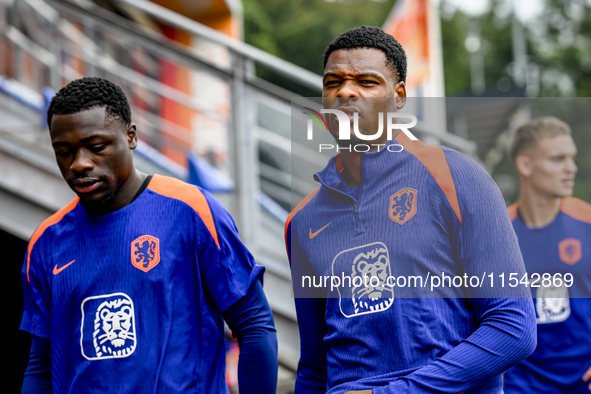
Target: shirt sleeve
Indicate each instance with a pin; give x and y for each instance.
(485, 243)
(37, 296)
(312, 370)
(251, 322)
(227, 267)
(37, 378)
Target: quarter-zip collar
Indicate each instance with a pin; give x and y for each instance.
(374, 166)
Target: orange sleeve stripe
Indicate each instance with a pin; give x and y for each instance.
(191, 195)
(577, 209)
(50, 221)
(298, 208)
(433, 158)
(513, 210)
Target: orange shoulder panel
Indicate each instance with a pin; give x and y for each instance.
(50, 221)
(433, 158)
(577, 209)
(298, 208)
(189, 194)
(338, 162)
(512, 209)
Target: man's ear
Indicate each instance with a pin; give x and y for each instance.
(400, 89)
(523, 165)
(132, 136)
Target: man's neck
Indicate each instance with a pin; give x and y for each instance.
(352, 163)
(352, 168)
(538, 211)
(122, 197)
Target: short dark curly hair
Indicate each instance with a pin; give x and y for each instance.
(372, 37)
(86, 93)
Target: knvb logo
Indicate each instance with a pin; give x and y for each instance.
(344, 133)
(145, 252)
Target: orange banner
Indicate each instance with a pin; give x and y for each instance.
(408, 23)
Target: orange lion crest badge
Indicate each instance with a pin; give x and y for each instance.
(569, 251)
(145, 252)
(403, 205)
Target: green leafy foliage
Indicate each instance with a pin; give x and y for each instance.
(299, 30)
(562, 35)
(455, 55)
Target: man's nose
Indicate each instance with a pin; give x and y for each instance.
(348, 90)
(572, 166)
(82, 162)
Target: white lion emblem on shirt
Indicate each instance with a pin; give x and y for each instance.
(113, 334)
(552, 304)
(373, 268)
(365, 271)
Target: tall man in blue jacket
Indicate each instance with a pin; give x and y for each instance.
(422, 211)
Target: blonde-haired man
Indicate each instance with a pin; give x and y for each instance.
(554, 231)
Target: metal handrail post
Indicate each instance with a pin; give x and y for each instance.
(252, 150)
(3, 47)
(243, 158)
(90, 33)
(13, 47)
(2, 15)
(55, 73)
(18, 61)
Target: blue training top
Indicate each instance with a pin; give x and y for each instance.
(421, 212)
(132, 300)
(563, 353)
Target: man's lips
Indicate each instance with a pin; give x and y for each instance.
(350, 111)
(86, 185)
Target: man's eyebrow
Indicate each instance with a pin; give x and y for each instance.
(92, 137)
(366, 74)
(375, 75)
(87, 139)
